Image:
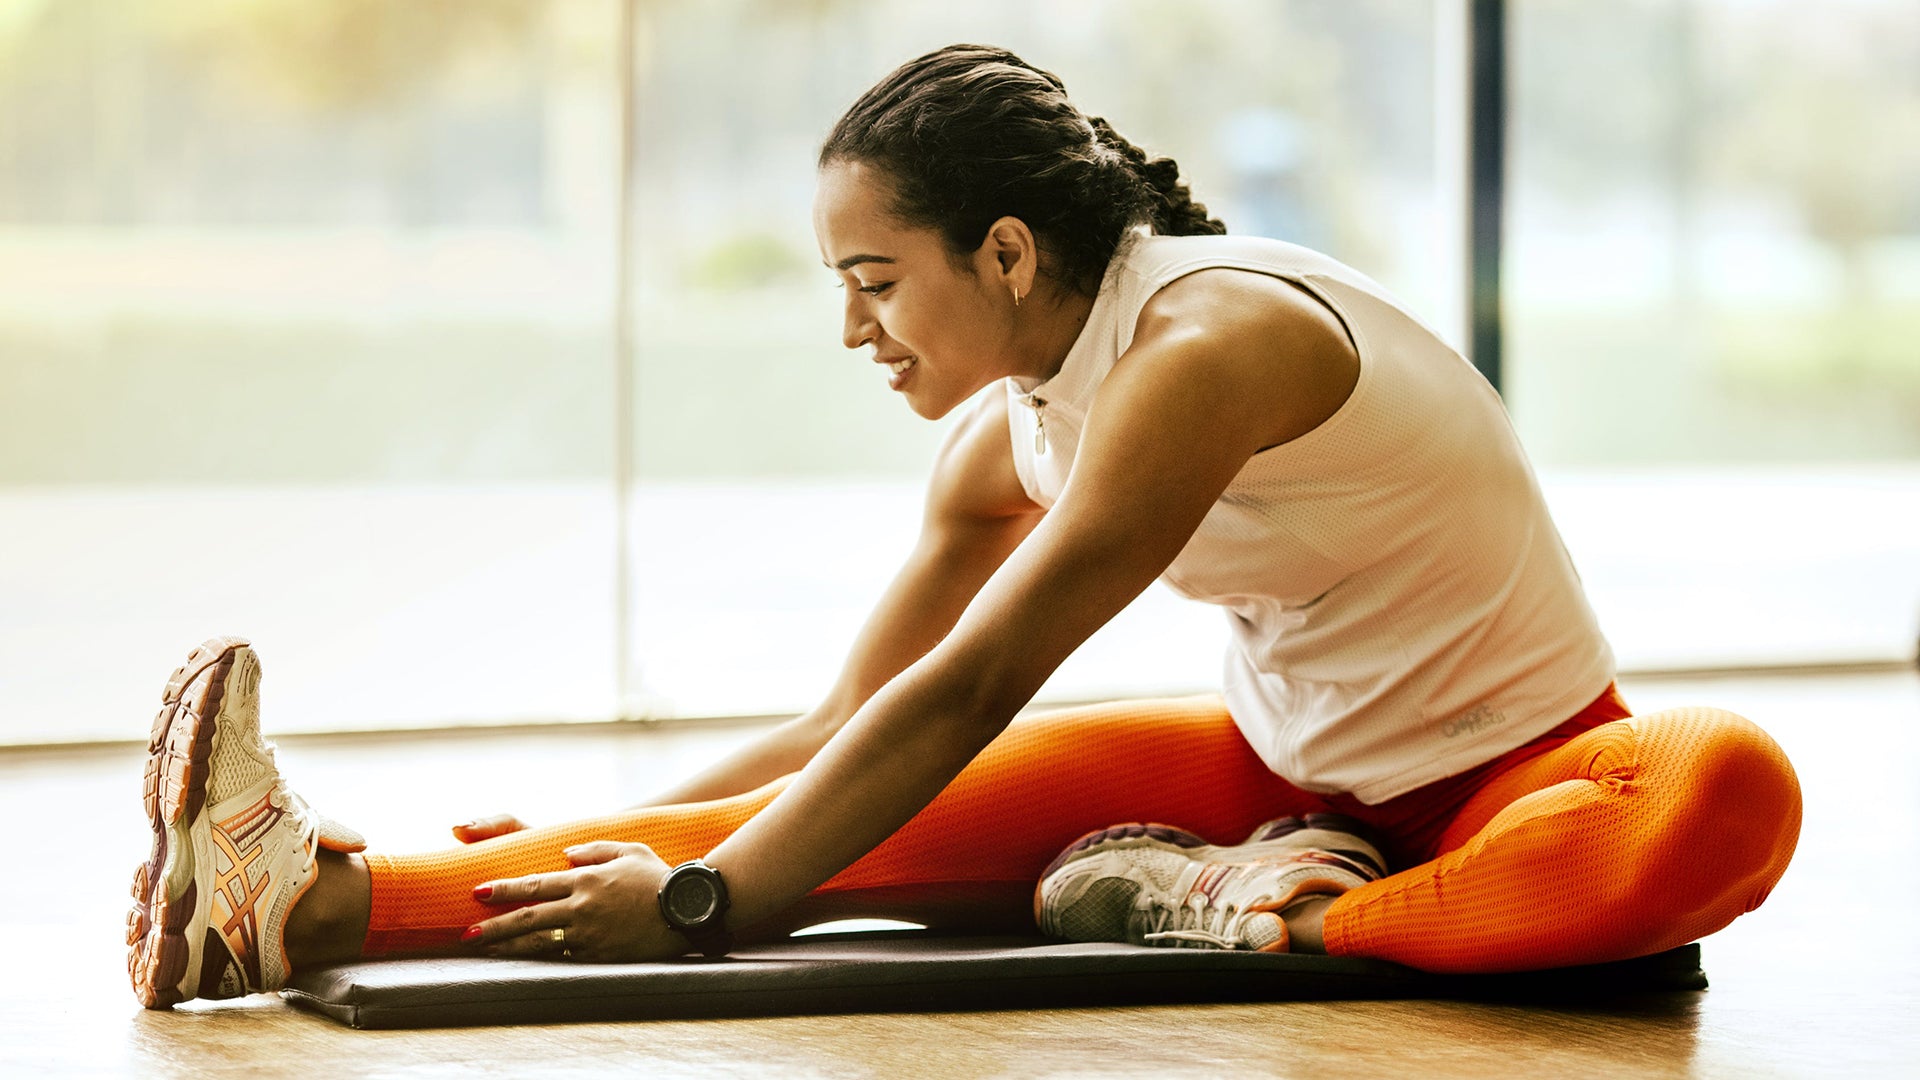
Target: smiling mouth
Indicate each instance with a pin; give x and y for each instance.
(898, 366)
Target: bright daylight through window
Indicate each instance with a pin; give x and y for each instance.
(309, 328)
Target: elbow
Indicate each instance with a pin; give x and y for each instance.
(817, 728)
(972, 697)
(981, 695)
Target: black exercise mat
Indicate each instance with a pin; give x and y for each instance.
(909, 970)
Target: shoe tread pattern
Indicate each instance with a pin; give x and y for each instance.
(174, 789)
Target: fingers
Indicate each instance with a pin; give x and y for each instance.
(604, 851)
(575, 944)
(487, 828)
(526, 931)
(606, 905)
(537, 945)
(531, 889)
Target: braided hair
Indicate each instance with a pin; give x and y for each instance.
(971, 133)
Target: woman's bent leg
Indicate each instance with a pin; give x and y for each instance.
(1638, 836)
(971, 857)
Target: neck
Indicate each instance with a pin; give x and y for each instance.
(1045, 328)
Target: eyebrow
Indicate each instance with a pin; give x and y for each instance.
(852, 261)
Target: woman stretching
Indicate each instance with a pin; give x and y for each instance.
(1415, 677)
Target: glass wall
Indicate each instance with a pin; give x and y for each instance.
(1714, 317)
(308, 319)
(304, 336)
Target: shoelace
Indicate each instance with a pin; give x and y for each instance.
(295, 807)
(1197, 919)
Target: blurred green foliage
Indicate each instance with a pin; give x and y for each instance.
(749, 261)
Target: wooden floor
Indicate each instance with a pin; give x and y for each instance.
(1822, 981)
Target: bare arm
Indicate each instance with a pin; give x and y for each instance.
(1217, 372)
(1205, 386)
(976, 513)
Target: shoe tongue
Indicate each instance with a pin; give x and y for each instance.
(337, 837)
(327, 832)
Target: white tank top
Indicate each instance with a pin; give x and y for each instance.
(1402, 607)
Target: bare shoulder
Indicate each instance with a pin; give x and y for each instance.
(1260, 334)
(974, 475)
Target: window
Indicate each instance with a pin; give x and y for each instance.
(1713, 299)
(304, 335)
(311, 315)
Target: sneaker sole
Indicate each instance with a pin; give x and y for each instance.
(174, 788)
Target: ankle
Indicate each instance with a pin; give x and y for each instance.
(1305, 920)
(328, 925)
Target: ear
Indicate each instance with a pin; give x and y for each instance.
(1009, 257)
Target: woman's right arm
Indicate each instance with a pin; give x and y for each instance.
(976, 514)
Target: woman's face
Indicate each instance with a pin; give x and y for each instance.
(941, 329)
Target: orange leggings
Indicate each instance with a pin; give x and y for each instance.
(1606, 838)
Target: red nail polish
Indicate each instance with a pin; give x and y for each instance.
(481, 892)
(472, 934)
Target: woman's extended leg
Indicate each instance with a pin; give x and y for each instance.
(971, 857)
(1637, 836)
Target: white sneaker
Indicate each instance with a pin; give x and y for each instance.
(1158, 885)
(233, 848)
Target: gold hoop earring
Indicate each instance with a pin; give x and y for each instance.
(1016, 297)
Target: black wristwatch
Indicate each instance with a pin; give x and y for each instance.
(693, 900)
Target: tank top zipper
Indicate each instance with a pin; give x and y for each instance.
(1039, 406)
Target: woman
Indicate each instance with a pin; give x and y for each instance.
(1414, 671)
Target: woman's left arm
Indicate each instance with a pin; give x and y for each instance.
(1204, 387)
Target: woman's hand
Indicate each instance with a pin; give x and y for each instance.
(487, 828)
(607, 905)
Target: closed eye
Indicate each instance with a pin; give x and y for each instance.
(872, 290)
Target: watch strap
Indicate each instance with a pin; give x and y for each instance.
(712, 940)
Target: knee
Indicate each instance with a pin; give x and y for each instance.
(1731, 797)
(1727, 768)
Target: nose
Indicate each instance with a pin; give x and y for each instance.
(860, 326)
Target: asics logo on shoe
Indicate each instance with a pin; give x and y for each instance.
(240, 884)
(1354, 862)
(1212, 877)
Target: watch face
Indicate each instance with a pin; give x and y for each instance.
(691, 899)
